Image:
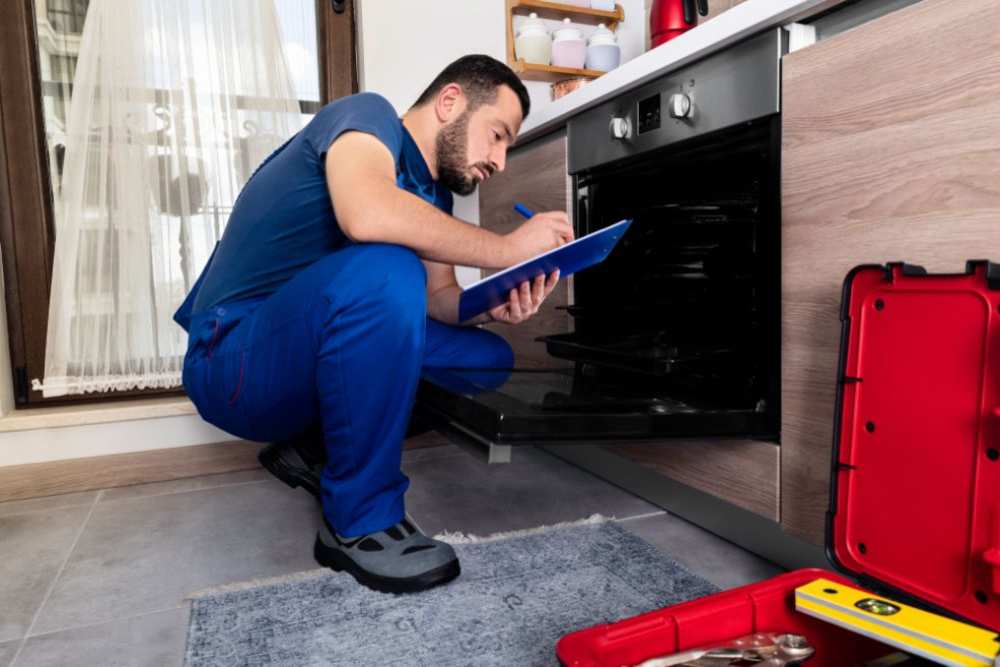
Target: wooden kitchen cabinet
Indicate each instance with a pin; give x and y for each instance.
(890, 151)
(536, 175)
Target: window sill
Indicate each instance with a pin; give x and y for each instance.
(96, 413)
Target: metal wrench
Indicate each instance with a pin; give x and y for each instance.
(773, 650)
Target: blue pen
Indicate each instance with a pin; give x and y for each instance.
(524, 210)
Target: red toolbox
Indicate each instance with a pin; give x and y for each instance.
(915, 485)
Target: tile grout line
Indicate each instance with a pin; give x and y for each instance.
(174, 493)
(55, 579)
(45, 509)
(116, 619)
(151, 495)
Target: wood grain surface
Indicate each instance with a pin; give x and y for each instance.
(891, 151)
(742, 472)
(35, 480)
(536, 176)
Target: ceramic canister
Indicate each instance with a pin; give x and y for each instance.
(533, 43)
(603, 52)
(569, 48)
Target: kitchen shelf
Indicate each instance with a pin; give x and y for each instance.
(534, 72)
(557, 11)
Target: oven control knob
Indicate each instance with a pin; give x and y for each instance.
(620, 128)
(679, 105)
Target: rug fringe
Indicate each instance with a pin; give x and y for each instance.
(469, 538)
(446, 536)
(294, 577)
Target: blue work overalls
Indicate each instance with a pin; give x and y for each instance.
(342, 345)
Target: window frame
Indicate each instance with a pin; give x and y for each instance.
(27, 225)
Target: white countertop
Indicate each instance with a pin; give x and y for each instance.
(743, 20)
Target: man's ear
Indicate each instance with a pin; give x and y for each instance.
(450, 103)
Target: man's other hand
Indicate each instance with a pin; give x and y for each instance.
(541, 233)
(524, 301)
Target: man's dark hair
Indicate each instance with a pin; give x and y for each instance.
(480, 77)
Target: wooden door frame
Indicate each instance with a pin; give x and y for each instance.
(26, 218)
(27, 224)
(338, 59)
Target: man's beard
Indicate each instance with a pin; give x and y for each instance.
(452, 146)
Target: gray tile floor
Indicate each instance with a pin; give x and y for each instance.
(100, 578)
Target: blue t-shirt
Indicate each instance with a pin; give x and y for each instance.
(283, 220)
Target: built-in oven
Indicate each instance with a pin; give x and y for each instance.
(677, 332)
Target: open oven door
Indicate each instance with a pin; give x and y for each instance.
(565, 406)
(604, 386)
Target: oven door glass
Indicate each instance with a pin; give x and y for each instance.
(522, 406)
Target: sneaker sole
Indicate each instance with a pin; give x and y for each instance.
(270, 458)
(338, 561)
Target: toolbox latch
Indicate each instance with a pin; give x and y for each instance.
(992, 558)
(992, 555)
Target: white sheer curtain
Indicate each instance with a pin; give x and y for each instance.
(174, 104)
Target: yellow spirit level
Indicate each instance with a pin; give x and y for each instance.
(922, 633)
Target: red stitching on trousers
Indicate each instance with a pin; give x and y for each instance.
(239, 383)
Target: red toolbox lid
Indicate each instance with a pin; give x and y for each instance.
(915, 496)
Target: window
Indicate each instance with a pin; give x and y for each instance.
(66, 16)
(38, 56)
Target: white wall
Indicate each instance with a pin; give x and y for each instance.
(42, 445)
(402, 44)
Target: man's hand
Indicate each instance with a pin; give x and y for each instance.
(541, 233)
(525, 301)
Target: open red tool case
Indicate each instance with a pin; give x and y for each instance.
(915, 486)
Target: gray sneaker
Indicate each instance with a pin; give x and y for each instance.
(399, 559)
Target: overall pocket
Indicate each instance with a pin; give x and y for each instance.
(215, 372)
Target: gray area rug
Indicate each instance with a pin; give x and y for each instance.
(515, 598)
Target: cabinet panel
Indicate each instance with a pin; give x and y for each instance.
(535, 176)
(742, 472)
(891, 151)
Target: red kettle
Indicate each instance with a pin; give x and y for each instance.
(670, 18)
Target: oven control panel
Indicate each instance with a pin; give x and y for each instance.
(649, 114)
(725, 89)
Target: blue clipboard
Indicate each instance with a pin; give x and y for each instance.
(576, 255)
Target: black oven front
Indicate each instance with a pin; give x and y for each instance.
(677, 332)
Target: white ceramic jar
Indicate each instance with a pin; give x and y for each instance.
(569, 48)
(533, 43)
(603, 52)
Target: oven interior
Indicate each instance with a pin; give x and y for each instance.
(685, 312)
(677, 332)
